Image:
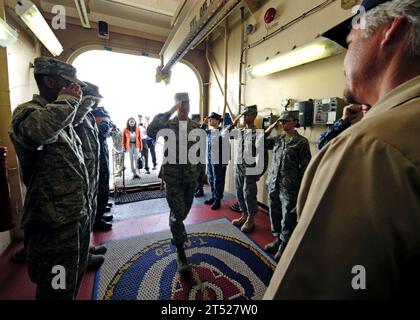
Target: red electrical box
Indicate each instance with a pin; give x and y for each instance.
(269, 15)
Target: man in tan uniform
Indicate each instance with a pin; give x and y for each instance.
(358, 235)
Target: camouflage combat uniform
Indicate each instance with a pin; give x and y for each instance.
(85, 127)
(289, 161)
(117, 136)
(246, 184)
(180, 179)
(56, 210)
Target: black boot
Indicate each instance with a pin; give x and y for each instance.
(107, 217)
(101, 225)
(199, 193)
(95, 260)
(97, 250)
(235, 207)
(216, 205)
(273, 247)
(20, 256)
(209, 201)
(182, 264)
(279, 253)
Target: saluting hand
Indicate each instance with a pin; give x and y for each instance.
(72, 90)
(176, 107)
(236, 120)
(270, 128)
(351, 112)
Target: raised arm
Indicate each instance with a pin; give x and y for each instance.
(229, 128)
(84, 108)
(161, 121)
(34, 126)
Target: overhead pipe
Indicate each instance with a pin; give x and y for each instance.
(241, 83)
(226, 64)
(220, 9)
(216, 77)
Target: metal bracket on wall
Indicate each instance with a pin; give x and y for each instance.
(221, 30)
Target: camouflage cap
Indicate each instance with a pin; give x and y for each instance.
(182, 96)
(289, 115)
(91, 90)
(250, 110)
(195, 116)
(54, 67)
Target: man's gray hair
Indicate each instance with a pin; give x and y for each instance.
(410, 9)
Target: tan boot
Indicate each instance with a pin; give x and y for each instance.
(248, 225)
(239, 222)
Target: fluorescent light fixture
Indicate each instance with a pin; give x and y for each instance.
(7, 34)
(30, 14)
(318, 49)
(83, 14)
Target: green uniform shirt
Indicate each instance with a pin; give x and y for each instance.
(289, 162)
(174, 172)
(51, 160)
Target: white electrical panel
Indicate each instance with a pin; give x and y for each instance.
(328, 111)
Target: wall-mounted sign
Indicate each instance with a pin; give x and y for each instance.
(202, 11)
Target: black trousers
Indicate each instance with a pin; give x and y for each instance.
(201, 168)
(217, 174)
(152, 150)
(103, 193)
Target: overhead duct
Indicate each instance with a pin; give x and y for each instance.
(196, 21)
(83, 13)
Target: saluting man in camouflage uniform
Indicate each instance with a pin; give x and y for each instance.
(56, 211)
(180, 178)
(85, 127)
(246, 184)
(103, 121)
(291, 156)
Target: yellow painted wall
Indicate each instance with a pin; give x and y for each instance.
(321, 79)
(17, 85)
(5, 237)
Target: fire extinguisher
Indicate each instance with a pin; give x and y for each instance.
(6, 215)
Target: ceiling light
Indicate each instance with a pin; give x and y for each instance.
(31, 16)
(7, 34)
(83, 14)
(318, 49)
